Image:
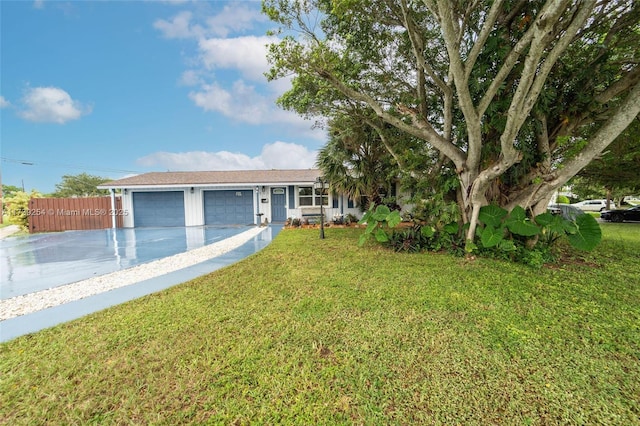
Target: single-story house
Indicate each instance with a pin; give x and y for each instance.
(225, 197)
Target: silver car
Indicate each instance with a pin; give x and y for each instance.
(594, 205)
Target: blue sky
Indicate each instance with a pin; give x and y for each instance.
(114, 88)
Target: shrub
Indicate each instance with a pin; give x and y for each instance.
(426, 238)
(350, 218)
(293, 222)
(17, 208)
(563, 199)
(436, 211)
(381, 222)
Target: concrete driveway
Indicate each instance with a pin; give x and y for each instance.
(38, 262)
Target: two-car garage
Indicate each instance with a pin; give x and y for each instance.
(216, 197)
(167, 208)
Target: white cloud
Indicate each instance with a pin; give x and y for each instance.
(191, 78)
(51, 105)
(243, 103)
(283, 155)
(248, 98)
(234, 19)
(4, 103)
(38, 4)
(240, 101)
(278, 155)
(179, 27)
(247, 54)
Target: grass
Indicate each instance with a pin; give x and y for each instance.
(311, 331)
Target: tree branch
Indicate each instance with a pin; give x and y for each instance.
(420, 129)
(623, 116)
(489, 22)
(457, 71)
(629, 79)
(527, 91)
(386, 144)
(579, 18)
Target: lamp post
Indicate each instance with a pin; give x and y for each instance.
(320, 185)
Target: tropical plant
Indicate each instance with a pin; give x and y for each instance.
(379, 220)
(505, 230)
(508, 235)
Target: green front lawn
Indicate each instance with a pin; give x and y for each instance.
(311, 331)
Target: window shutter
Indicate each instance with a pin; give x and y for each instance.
(292, 197)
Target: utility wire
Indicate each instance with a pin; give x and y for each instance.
(70, 166)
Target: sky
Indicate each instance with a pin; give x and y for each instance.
(116, 88)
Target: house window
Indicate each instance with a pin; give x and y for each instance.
(310, 196)
(305, 196)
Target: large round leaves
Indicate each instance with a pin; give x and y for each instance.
(588, 233)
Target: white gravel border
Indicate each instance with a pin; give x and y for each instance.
(33, 302)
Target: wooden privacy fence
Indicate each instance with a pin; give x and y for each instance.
(66, 214)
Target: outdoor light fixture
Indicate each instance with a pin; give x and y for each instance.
(320, 185)
(192, 189)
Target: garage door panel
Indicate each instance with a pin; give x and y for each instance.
(152, 209)
(228, 207)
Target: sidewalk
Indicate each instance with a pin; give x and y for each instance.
(8, 230)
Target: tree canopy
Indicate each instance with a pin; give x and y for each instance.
(516, 97)
(9, 190)
(618, 168)
(81, 185)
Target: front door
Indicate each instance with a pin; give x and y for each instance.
(278, 205)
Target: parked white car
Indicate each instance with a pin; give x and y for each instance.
(594, 205)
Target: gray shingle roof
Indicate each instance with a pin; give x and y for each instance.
(229, 177)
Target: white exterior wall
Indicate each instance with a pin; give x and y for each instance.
(403, 198)
(127, 206)
(193, 207)
(259, 206)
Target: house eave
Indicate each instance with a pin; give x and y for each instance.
(205, 185)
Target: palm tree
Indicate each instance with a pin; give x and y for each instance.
(356, 161)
